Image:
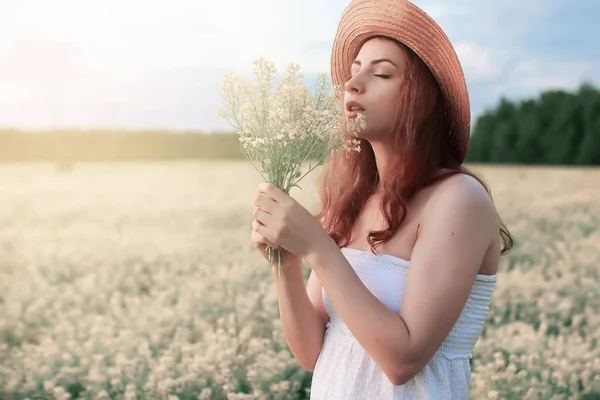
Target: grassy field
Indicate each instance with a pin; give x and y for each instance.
(139, 281)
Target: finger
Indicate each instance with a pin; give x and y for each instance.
(266, 232)
(260, 242)
(272, 191)
(264, 203)
(255, 225)
(263, 217)
(258, 239)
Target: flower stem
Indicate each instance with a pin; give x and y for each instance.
(270, 254)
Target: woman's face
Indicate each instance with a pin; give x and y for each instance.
(374, 86)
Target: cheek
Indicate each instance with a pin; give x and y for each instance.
(390, 106)
(385, 113)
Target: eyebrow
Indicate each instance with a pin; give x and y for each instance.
(377, 61)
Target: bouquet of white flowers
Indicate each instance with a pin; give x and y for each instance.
(284, 127)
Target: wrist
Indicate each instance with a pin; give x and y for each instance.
(318, 253)
(288, 261)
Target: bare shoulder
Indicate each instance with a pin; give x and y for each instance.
(462, 190)
(464, 186)
(462, 196)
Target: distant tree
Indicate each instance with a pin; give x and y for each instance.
(589, 149)
(559, 127)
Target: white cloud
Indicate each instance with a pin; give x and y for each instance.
(62, 60)
(158, 64)
(537, 75)
(480, 63)
(40, 61)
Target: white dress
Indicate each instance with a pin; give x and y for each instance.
(345, 371)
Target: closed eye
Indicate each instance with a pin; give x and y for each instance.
(385, 76)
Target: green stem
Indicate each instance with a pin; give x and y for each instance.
(270, 255)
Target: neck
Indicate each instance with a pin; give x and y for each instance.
(382, 156)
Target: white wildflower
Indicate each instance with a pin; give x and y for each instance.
(285, 127)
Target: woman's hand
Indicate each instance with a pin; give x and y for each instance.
(260, 242)
(281, 221)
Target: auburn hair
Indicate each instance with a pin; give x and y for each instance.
(423, 146)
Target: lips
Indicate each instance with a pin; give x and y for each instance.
(354, 106)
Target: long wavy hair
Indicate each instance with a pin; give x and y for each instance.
(423, 147)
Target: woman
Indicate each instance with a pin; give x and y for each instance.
(405, 251)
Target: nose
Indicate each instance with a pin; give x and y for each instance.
(353, 85)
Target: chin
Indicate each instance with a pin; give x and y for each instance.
(381, 137)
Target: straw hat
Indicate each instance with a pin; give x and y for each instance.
(407, 23)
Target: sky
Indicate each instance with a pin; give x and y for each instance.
(153, 64)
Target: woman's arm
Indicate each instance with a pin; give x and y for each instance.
(302, 313)
(453, 240)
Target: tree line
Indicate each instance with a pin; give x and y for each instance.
(558, 127)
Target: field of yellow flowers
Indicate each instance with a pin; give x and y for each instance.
(139, 281)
